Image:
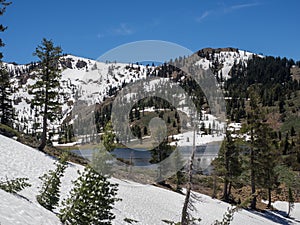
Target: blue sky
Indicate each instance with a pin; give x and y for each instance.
(92, 27)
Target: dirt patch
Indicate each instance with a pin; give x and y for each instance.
(295, 73)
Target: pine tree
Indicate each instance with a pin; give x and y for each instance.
(179, 164)
(262, 156)
(289, 178)
(101, 160)
(14, 185)
(228, 164)
(49, 193)
(6, 108)
(227, 217)
(108, 137)
(3, 4)
(253, 124)
(46, 89)
(91, 200)
(267, 157)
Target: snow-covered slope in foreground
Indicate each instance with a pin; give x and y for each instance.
(147, 204)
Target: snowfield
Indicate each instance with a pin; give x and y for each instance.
(145, 203)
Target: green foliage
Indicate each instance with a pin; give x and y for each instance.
(108, 137)
(6, 109)
(101, 161)
(228, 163)
(8, 131)
(3, 4)
(130, 221)
(291, 200)
(91, 200)
(179, 164)
(289, 179)
(101, 158)
(49, 194)
(46, 92)
(227, 217)
(192, 221)
(14, 185)
(171, 222)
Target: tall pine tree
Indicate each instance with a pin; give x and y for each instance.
(262, 156)
(46, 89)
(6, 108)
(228, 164)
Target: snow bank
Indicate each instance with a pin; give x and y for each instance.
(145, 203)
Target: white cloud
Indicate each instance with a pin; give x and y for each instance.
(203, 16)
(224, 10)
(122, 30)
(242, 6)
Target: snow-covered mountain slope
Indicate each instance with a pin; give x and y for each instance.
(223, 59)
(82, 79)
(16, 210)
(92, 81)
(145, 203)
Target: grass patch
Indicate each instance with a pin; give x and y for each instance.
(8, 131)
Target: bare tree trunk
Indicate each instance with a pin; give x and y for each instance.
(269, 198)
(229, 189)
(185, 215)
(225, 190)
(44, 135)
(45, 116)
(253, 189)
(214, 195)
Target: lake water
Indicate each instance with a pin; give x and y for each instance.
(141, 157)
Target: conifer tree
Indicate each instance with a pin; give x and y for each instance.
(228, 164)
(253, 126)
(14, 185)
(6, 108)
(289, 178)
(46, 89)
(262, 156)
(108, 137)
(49, 193)
(91, 200)
(3, 5)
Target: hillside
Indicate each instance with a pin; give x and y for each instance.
(93, 82)
(144, 203)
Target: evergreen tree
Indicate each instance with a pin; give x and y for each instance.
(91, 200)
(6, 108)
(49, 193)
(3, 5)
(108, 137)
(289, 178)
(179, 164)
(228, 164)
(263, 156)
(227, 217)
(254, 125)
(14, 185)
(101, 160)
(46, 89)
(267, 157)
